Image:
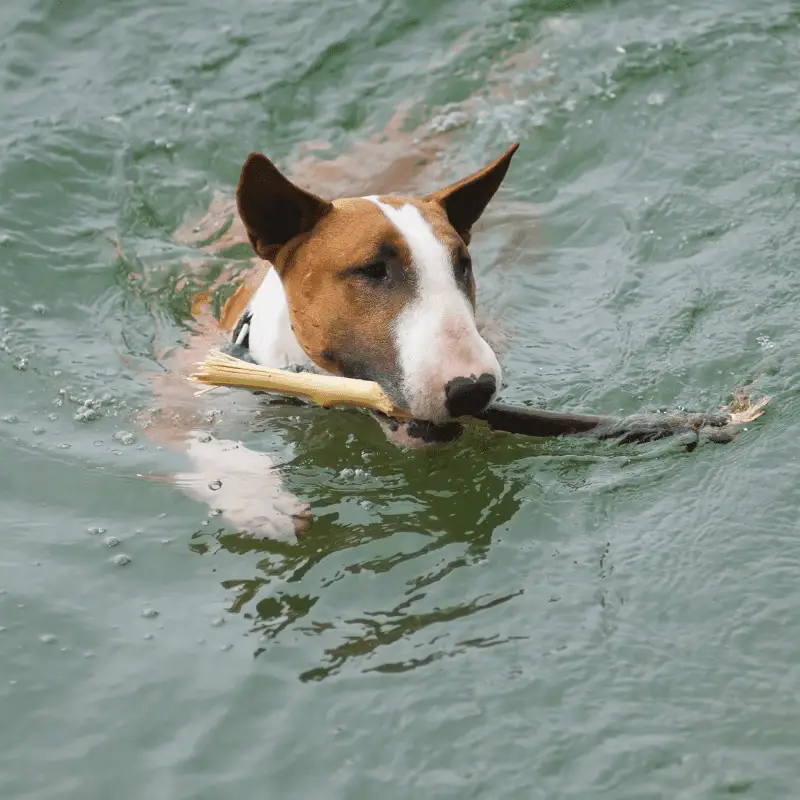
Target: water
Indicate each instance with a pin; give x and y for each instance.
(508, 618)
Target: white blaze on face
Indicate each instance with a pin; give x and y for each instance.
(436, 336)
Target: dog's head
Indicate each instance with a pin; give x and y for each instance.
(382, 288)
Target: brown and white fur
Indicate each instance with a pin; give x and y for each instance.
(318, 307)
(374, 287)
(378, 288)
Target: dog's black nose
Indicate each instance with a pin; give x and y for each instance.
(464, 396)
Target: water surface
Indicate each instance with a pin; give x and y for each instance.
(508, 618)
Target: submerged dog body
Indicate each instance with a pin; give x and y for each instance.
(378, 288)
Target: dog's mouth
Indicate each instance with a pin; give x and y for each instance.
(416, 433)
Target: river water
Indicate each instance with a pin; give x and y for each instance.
(505, 618)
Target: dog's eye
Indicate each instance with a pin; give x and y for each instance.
(376, 272)
(463, 267)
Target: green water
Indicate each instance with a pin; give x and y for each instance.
(507, 619)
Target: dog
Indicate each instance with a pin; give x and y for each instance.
(379, 288)
(377, 285)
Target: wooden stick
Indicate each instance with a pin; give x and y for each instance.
(221, 369)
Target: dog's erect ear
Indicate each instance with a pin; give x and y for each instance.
(272, 208)
(465, 200)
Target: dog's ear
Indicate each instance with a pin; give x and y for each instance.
(272, 208)
(465, 200)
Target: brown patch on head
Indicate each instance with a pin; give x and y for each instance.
(346, 285)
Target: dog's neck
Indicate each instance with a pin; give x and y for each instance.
(265, 328)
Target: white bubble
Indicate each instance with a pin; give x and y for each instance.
(87, 414)
(124, 437)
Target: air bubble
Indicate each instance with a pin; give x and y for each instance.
(215, 485)
(765, 342)
(87, 414)
(349, 472)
